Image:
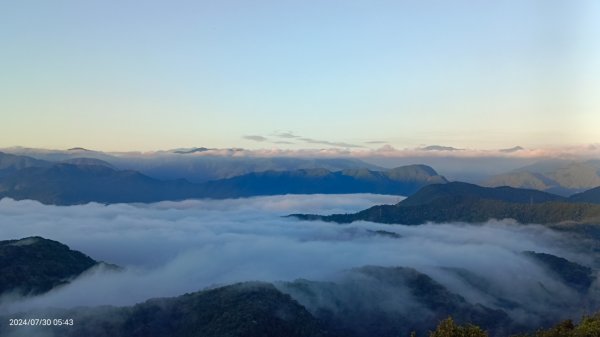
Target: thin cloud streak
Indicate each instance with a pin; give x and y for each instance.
(287, 134)
(255, 138)
(325, 142)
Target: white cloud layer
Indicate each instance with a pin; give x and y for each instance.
(170, 248)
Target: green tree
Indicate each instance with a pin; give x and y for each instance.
(448, 328)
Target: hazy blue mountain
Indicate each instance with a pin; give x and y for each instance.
(58, 155)
(35, 265)
(92, 181)
(87, 161)
(399, 181)
(556, 176)
(464, 202)
(10, 163)
(67, 184)
(205, 168)
(522, 180)
(458, 168)
(188, 164)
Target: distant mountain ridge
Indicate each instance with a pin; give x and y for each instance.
(84, 180)
(9, 163)
(403, 180)
(87, 161)
(196, 165)
(562, 177)
(457, 201)
(591, 196)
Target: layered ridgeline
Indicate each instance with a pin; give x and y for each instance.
(360, 302)
(592, 195)
(10, 163)
(463, 202)
(403, 180)
(243, 309)
(557, 176)
(196, 165)
(82, 180)
(35, 265)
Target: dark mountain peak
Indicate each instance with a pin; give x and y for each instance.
(434, 192)
(415, 172)
(35, 265)
(464, 202)
(32, 240)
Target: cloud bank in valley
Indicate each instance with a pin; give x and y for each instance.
(170, 248)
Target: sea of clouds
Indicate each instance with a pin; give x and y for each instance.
(170, 248)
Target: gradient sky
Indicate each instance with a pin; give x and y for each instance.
(147, 75)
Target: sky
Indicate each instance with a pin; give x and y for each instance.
(148, 75)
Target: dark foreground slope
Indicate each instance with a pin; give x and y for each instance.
(361, 302)
(464, 202)
(35, 265)
(574, 275)
(246, 309)
(389, 301)
(367, 301)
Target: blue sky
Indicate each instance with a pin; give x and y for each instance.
(145, 75)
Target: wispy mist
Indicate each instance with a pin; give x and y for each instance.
(170, 248)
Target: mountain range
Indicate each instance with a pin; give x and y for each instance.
(361, 302)
(252, 309)
(463, 202)
(196, 165)
(83, 180)
(563, 177)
